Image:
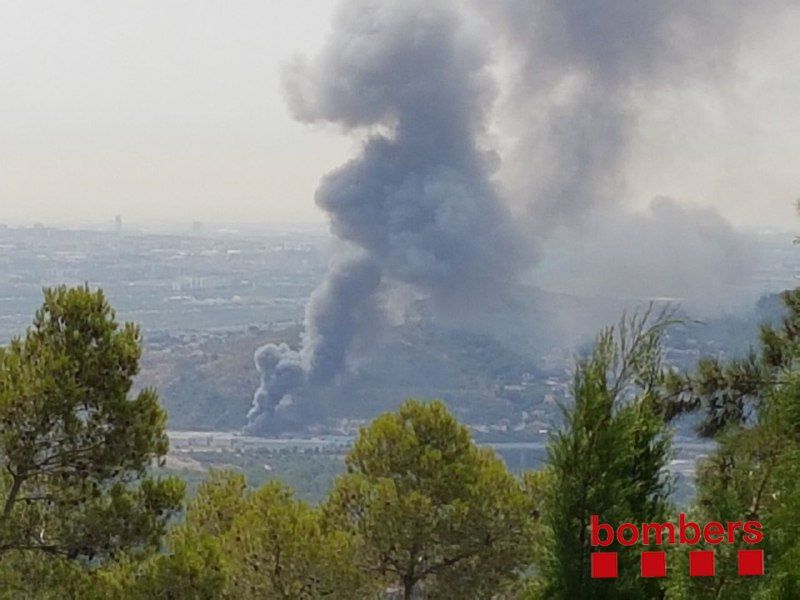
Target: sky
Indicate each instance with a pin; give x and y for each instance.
(161, 111)
(172, 111)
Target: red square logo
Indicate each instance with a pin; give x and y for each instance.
(701, 563)
(604, 565)
(751, 562)
(654, 564)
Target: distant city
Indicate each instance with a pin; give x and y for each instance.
(207, 298)
(211, 279)
(199, 281)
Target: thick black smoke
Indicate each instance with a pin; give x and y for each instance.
(342, 305)
(417, 206)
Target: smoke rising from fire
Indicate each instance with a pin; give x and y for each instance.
(417, 207)
(429, 204)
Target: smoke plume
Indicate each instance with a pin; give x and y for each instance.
(585, 71)
(686, 254)
(426, 205)
(417, 206)
(583, 74)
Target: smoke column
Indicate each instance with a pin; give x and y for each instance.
(420, 206)
(416, 207)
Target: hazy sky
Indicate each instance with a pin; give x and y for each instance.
(161, 110)
(171, 111)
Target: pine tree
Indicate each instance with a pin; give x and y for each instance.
(609, 459)
(752, 410)
(74, 447)
(437, 516)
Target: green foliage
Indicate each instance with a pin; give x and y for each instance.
(421, 510)
(278, 548)
(729, 394)
(421, 507)
(755, 472)
(609, 459)
(435, 515)
(74, 447)
(219, 500)
(309, 473)
(193, 565)
(192, 569)
(236, 543)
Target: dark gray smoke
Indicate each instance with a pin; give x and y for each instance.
(335, 313)
(419, 208)
(416, 206)
(584, 73)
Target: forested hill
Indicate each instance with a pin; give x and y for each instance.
(207, 380)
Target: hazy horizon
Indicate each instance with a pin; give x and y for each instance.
(173, 112)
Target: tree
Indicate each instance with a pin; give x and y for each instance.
(239, 543)
(729, 393)
(278, 548)
(752, 409)
(191, 565)
(74, 447)
(437, 516)
(609, 459)
(261, 544)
